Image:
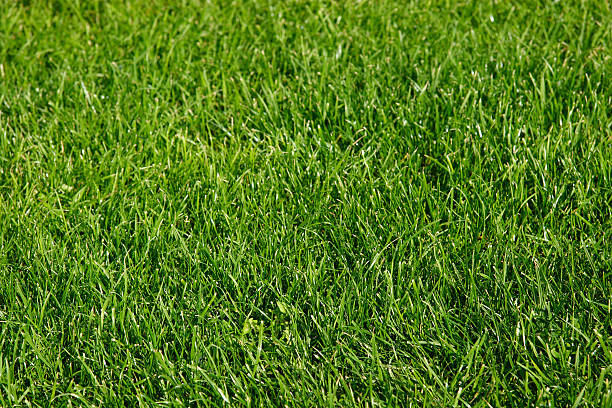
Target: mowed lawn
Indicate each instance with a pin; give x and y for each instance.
(305, 203)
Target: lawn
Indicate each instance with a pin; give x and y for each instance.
(305, 203)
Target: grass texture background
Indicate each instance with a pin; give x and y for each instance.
(305, 203)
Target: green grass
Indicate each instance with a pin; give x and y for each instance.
(305, 203)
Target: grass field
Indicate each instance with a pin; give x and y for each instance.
(305, 203)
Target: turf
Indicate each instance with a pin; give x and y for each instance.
(305, 203)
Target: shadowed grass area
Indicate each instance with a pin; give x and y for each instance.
(305, 203)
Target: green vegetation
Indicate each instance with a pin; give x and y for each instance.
(305, 203)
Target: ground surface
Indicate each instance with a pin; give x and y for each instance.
(305, 203)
